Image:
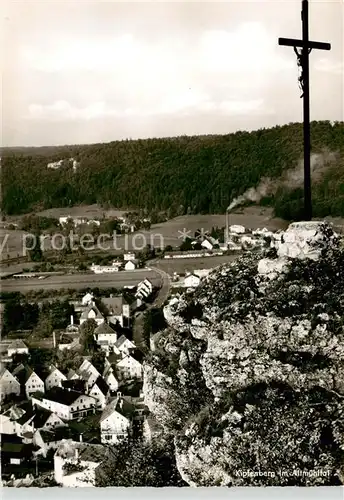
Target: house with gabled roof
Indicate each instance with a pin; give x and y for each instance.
(124, 345)
(105, 337)
(117, 310)
(129, 368)
(109, 377)
(87, 299)
(9, 384)
(100, 392)
(17, 347)
(66, 404)
(78, 464)
(88, 373)
(116, 420)
(192, 280)
(92, 312)
(55, 378)
(37, 418)
(144, 289)
(28, 378)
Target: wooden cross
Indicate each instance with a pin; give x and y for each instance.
(303, 61)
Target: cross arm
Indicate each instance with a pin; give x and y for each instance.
(292, 42)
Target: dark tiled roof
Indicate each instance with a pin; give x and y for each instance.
(104, 328)
(94, 308)
(41, 416)
(114, 305)
(63, 396)
(75, 384)
(100, 382)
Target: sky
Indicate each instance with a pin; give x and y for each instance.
(82, 71)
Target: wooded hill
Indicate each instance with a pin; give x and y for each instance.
(198, 174)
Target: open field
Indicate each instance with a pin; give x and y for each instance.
(160, 235)
(89, 211)
(80, 281)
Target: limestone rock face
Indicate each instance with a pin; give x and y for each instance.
(249, 375)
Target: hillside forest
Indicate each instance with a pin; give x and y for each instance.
(179, 175)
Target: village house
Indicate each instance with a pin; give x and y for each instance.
(92, 312)
(88, 375)
(46, 440)
(105, 337)
(8, 384)
(130, 265)
(14, 451)
(109, 377)
(87, 299)
(129, 368)
(144, 289)
(9, 417)
(55, 378)
(28, 379)
(78, 464)
(124, 345)
(36, 418)
(100, 392)
(116, 420)
(117, 310)
(129, 256)
(192, 280)
(17, 347)
(66, 404)
(98, 269)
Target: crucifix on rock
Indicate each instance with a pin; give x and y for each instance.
(305, 46)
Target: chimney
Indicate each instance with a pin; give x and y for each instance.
(76, 453)
(54, 339)
(72, 319)
(80, 438)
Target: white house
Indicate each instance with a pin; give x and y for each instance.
(8, 384)
(192, 281)
(237, 229)
(100, 392)
(78, 464)
(66, 404)
(144, 289)
(29, 380)
(92, 312)
(17, 347)
(129, 368)
(87, 299)
(7, 425)
(207, 244)
(86, 365)
(118, 310)
(110, 378)
(129, 256)
(38, 418)
(54, 379)
(105, 337)
(116, 419)
(130, 265)
(124, 345)
(97, 269)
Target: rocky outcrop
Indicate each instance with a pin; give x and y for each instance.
(249, 375)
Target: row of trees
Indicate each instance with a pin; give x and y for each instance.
(199, 174)
(23, 315)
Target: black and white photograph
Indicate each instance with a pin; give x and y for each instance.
(172, 245)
